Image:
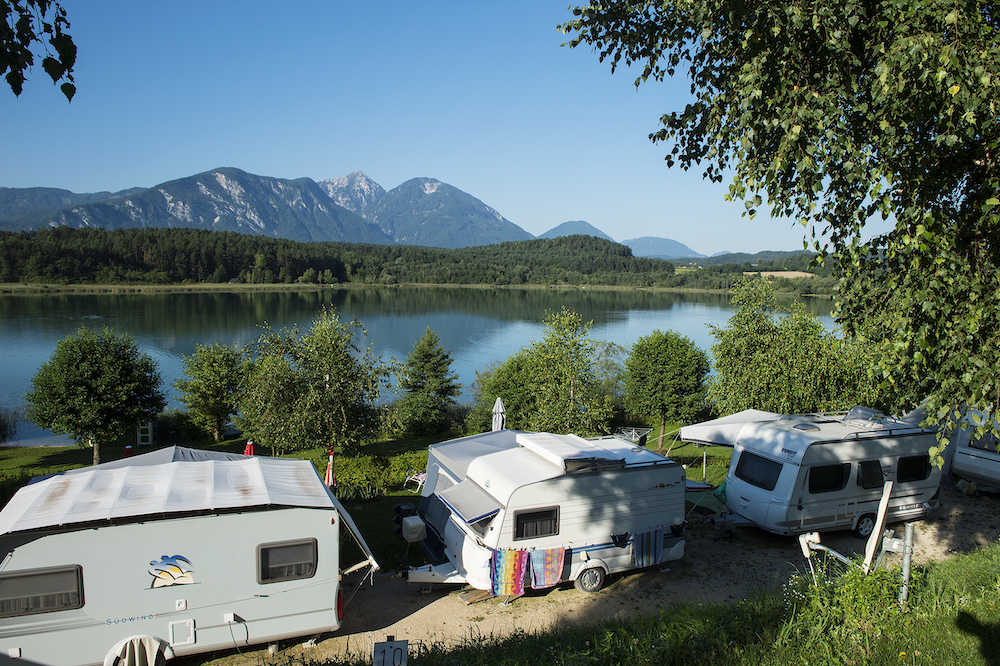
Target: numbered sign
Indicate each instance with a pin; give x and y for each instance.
(391, 653)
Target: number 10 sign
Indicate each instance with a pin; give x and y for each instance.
(391, 653)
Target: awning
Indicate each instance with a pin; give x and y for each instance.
(469, 502)
(726, 430)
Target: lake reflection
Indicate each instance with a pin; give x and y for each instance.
(478, 326)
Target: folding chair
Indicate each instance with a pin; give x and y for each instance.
(416, 477)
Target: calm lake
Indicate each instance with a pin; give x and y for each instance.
(478, 326)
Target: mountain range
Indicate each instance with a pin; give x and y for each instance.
(352, 209)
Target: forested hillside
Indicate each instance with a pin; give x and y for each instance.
(175, 256)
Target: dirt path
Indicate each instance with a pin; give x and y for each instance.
(715, 568)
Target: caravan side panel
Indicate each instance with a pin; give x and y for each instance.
(196, 584)
(834, 485)
(583, 513)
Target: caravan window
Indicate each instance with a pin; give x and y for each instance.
(913, 468)
(41, 590)
(758, 471)
(987, 442)
(536, 523)
(870, 474)
(829, 478)
(286, 560)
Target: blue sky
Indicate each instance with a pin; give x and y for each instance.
(478, 95)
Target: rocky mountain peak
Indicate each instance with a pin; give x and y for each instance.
(353, 191)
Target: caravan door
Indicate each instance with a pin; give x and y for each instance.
(750, 488)
(824, 500)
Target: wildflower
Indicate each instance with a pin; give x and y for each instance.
(902, 655)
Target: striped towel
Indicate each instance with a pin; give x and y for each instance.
(507, 568)
(546, 567)
(647, 547)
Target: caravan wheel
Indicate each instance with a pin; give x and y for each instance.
(590, 580)
(865, 526)
(139, 649)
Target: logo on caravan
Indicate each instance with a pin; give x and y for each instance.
(171, 570)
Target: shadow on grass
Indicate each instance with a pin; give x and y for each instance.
(988, 635)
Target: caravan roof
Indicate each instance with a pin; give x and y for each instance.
(788, 436)
(502, 461)
(170, 480)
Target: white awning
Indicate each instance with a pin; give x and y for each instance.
(166, 481)
(724, 431)
(469, 502)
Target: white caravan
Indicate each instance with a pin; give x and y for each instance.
(814, 472)
(967, 456)
(169, 553)
(602, 505)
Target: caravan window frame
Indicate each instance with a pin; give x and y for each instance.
(44, 602)
(265, 568)
(521, 520)
(829, 485)
(911, 475)
(866, 479)
(752, 475)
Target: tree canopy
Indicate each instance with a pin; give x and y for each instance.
(429, 387)
(215, 375)
(839, 113)
(784, 361)
(666, 378)
(550, 386)
(96, 387)
(312, 388)
(27, 25)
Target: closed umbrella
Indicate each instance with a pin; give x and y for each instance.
(499, 415)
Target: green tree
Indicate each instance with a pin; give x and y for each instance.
(838, 114)
(429, 385)
(215, 375)
(786, 362)
(551, 386)
(26, 25)
(666, 379)
(313, 388)
(96, 387)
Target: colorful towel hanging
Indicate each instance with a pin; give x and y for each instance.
(507, 569)
(647, 547)
(546, 567)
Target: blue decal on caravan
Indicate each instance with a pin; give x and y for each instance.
(169, 571)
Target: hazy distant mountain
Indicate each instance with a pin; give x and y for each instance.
(353, 192)
(660, 248)
(225, 200)
(576, 228)
(745, 258)
(16, 203)
(425, 211)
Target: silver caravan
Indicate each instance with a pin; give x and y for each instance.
(975, 458)
(170, 553)
(812, 472)
(503, 505)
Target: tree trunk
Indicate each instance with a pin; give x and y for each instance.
(663, 427)
(97, 451)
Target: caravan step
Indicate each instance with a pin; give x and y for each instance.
(473, 595)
